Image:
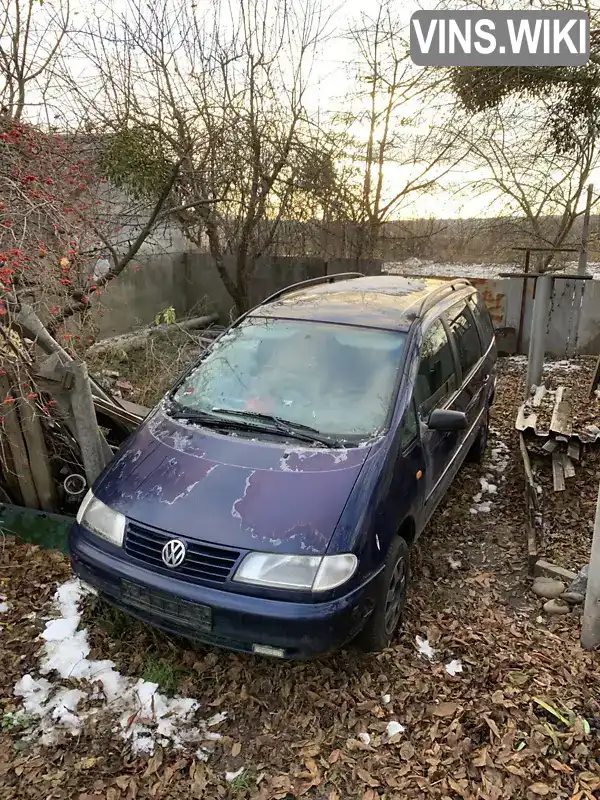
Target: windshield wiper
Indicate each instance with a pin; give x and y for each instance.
(295, 429)
(213, 421)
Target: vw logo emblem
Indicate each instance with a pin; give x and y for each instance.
(173, 553)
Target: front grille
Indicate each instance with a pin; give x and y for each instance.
(203, 562)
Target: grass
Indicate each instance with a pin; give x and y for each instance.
(115, 622)
(164, 673)
(11, 723)
(242, 784)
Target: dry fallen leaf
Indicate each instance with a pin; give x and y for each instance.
(446, 709)
(560, 767)
(540, 789)
(366, 778)
(236, 749)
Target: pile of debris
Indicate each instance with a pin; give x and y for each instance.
(562, 415)
(59, 426)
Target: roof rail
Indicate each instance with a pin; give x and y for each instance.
(441, 292)
(311, 282)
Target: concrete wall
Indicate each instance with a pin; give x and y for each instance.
(204, 284)
(137, 296)
(190, 282)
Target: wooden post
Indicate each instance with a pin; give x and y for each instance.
(590, 629)
(537, 337)
(88, 433)
(8, 470)
(39, 461)
(18, 449)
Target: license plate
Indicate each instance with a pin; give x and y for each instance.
(165, 605)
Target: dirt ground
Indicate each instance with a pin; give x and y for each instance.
(298, 730)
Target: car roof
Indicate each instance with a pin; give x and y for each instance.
(378, 301)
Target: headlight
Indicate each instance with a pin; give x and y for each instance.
(308, 573)
(102, 520)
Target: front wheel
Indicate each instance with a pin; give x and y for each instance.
(391, 598)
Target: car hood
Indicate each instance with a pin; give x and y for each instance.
(230, 490)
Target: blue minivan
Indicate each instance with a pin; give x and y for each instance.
(268, 503)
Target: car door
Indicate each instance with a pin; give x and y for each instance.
(466, 338)
(410, 466)
(435, 387)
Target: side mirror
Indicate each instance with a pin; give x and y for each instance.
(442, 420)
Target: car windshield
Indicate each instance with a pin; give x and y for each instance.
(336, 379)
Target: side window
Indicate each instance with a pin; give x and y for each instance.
(410, 426)
(482, 317)
(465, 333)
(436, 379)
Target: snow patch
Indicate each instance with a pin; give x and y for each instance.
(365, 738)
(394, 727)
(145, 716)
(498, 461)
(446, 269)
(425, 649)
(231, 776)
(339, 456)
(454, 667)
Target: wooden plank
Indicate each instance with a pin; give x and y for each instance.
(18, 449)
(532, 553)
(526, 462)
(121, 414)
(39, 460)
(539, 395)
(531, 505)
(558, 475)
(595, 379)
(525, 421)
(135, 408)
(550, 446)
(562, 415)
(574, 450)
(568, 466)
(549, 570)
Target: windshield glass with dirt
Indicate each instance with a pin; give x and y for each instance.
(336, 379)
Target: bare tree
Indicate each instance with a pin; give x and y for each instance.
(31, 36)
(513, 171)
(401, 153)
(222, 96)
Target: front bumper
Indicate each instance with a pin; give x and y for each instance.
(302, 630)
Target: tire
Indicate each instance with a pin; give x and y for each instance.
(478, 448)
(391, 597)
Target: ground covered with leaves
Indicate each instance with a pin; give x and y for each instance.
(521, 720)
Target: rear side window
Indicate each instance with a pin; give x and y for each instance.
(436, 379)
(465, 334)
(482, 317)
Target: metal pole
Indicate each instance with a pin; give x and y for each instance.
(579, 289)
(523, 302)
(537, 335)
(585, 233)
(590, 628)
